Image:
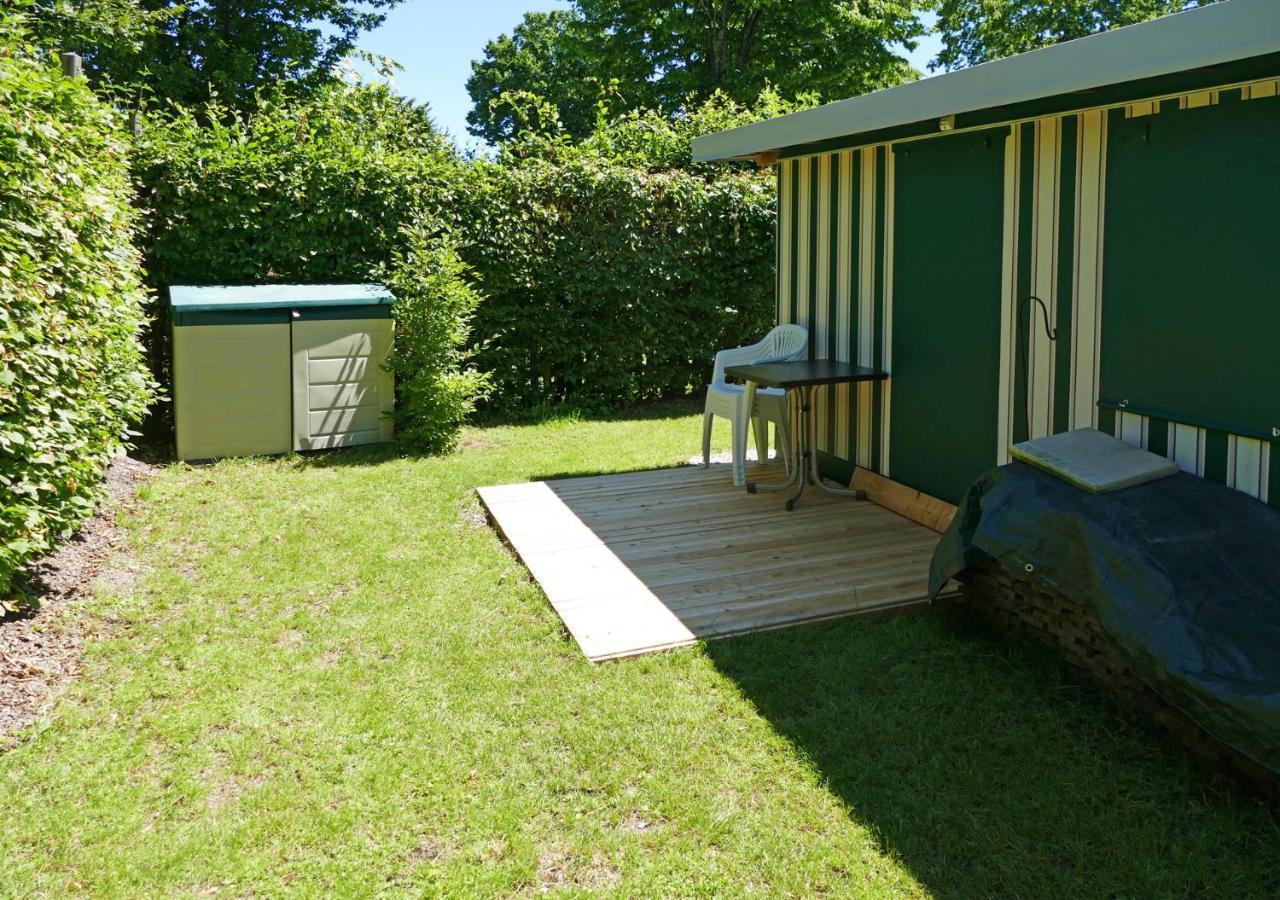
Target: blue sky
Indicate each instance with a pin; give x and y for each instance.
(436, 42)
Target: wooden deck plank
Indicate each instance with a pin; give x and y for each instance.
(644, 561)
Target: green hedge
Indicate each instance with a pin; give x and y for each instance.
(342, 186)
(303, 191)
(608, 285)
(436, 387)
(607, 276)
(71, 372)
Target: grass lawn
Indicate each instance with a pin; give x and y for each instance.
(335, 679)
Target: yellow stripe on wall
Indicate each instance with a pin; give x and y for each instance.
(1198, 99)
(803, 238)
(1044, 273)
(1259, 89)
(1086, 300)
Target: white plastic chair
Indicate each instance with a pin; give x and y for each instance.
(782, 344)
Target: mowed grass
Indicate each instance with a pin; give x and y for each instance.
(334, 679)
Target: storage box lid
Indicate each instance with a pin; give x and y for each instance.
(225, 298)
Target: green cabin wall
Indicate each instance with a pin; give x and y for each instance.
(914, 256)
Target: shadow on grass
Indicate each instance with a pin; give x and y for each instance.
(982, 766)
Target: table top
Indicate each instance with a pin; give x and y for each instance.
(803, 373)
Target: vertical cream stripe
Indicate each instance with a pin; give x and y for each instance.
(1044, 274)
(1086, 299)
(1130, 428)
(1185, 447)
(803, 247)
(1248, 466)
(1100, 261)
(844, 297)
(886, 386)
(1264, 488)
(1008, 306)
(822, 285)
(785, 188)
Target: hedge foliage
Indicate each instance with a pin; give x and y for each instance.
(607, 285)
(436, 388)
(306, 191)
(343, 186)
(608, 271)
(72, 377)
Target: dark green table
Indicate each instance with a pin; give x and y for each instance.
(799, 379)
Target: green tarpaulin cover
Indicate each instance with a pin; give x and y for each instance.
(1182, 572)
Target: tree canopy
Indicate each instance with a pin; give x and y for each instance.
(538, 58)
(977, 31)
(191, 52)
(639, 54)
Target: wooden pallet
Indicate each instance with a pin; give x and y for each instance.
(646, 561)
(1025, 606)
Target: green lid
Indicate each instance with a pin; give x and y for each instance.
(226, 298)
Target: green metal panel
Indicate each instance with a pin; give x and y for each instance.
(1107, 420)
(834, 468)
(1273, 476)
(1025, 309)
(1158, 436)
(231, 317)
(324, 313)
(948, 240)
(877, 316)
(1189, 313)
(1215, 456)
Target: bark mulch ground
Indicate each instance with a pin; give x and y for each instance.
(40, 650)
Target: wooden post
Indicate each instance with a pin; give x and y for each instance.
(72, 65)
(766, 160)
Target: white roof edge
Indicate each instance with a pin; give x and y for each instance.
(1204, 36)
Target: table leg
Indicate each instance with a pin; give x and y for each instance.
(806, 467)
(794, 432)
(817, 476)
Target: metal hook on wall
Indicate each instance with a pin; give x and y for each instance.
(1050, 332)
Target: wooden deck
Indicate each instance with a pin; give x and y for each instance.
(646, 561)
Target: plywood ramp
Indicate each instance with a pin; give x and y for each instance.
(646, 561)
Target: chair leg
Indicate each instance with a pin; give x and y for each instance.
(740, 425)
(707, 418)
(760, 429)
(782, 435)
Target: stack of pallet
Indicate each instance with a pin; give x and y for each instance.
(1021, 605)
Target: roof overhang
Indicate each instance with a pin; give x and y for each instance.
(1211, 35)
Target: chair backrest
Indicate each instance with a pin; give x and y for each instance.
(782, 344)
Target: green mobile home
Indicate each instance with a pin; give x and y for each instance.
(1129, 180)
